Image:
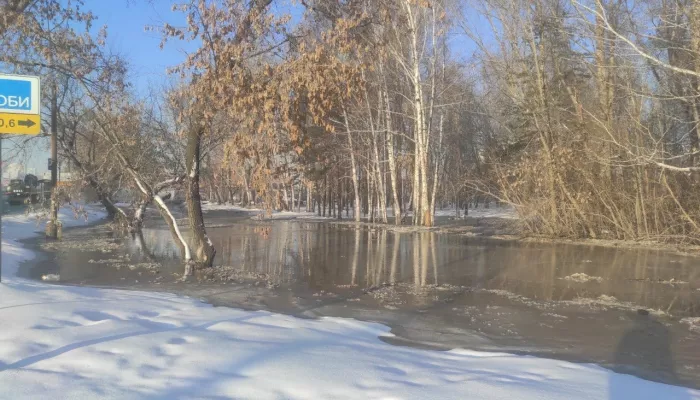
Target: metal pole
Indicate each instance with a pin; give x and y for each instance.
(53, 229)
(54, 147)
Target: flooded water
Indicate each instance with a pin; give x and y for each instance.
(633, 310)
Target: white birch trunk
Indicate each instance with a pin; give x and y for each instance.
(438, 169)
(353, 162)
(392, 159)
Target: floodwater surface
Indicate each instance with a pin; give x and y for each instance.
(636, 311)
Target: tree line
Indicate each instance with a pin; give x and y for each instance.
(581, 114)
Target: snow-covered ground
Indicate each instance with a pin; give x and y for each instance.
(206, 206)
(88, 343)
(507, 212)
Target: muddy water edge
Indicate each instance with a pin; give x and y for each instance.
(636, 311)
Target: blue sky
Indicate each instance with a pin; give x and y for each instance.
(127, 36)
(126, 20)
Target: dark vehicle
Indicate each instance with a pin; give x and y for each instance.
(30, 180)
(29, 190)
(16, 193)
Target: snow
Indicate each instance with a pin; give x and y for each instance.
(506, 212)
(581, 277)
(206, 206)
(692, 322)
(89, 343)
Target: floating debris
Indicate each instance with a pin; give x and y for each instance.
(580, 277)
(693, 323)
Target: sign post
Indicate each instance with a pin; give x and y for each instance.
(20, 114)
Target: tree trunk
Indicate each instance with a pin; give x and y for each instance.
(420, 197)
(176, 233)
(370, 194)
(137, 220)
(341, 199)
(392, 159)
(437, 172)
(324, 198)
(204, 251)
(285, 196)
(694, 19)
(301, 194)
(379, 181)
(52, 227)
(248, 195)
(353, 163)
(415, 195)
(217, 195)
(309, 200)
(317, 199)
(291, 201)
(604, 86)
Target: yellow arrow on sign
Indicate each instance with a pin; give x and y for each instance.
(20, 124)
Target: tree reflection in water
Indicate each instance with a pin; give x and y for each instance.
(323, 256)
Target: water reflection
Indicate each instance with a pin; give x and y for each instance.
(324, 256)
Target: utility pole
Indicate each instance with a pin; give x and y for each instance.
(52, 226)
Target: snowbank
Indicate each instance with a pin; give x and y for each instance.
(88, 343)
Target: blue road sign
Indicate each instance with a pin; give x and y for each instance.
(19, 94)
(15, 95)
